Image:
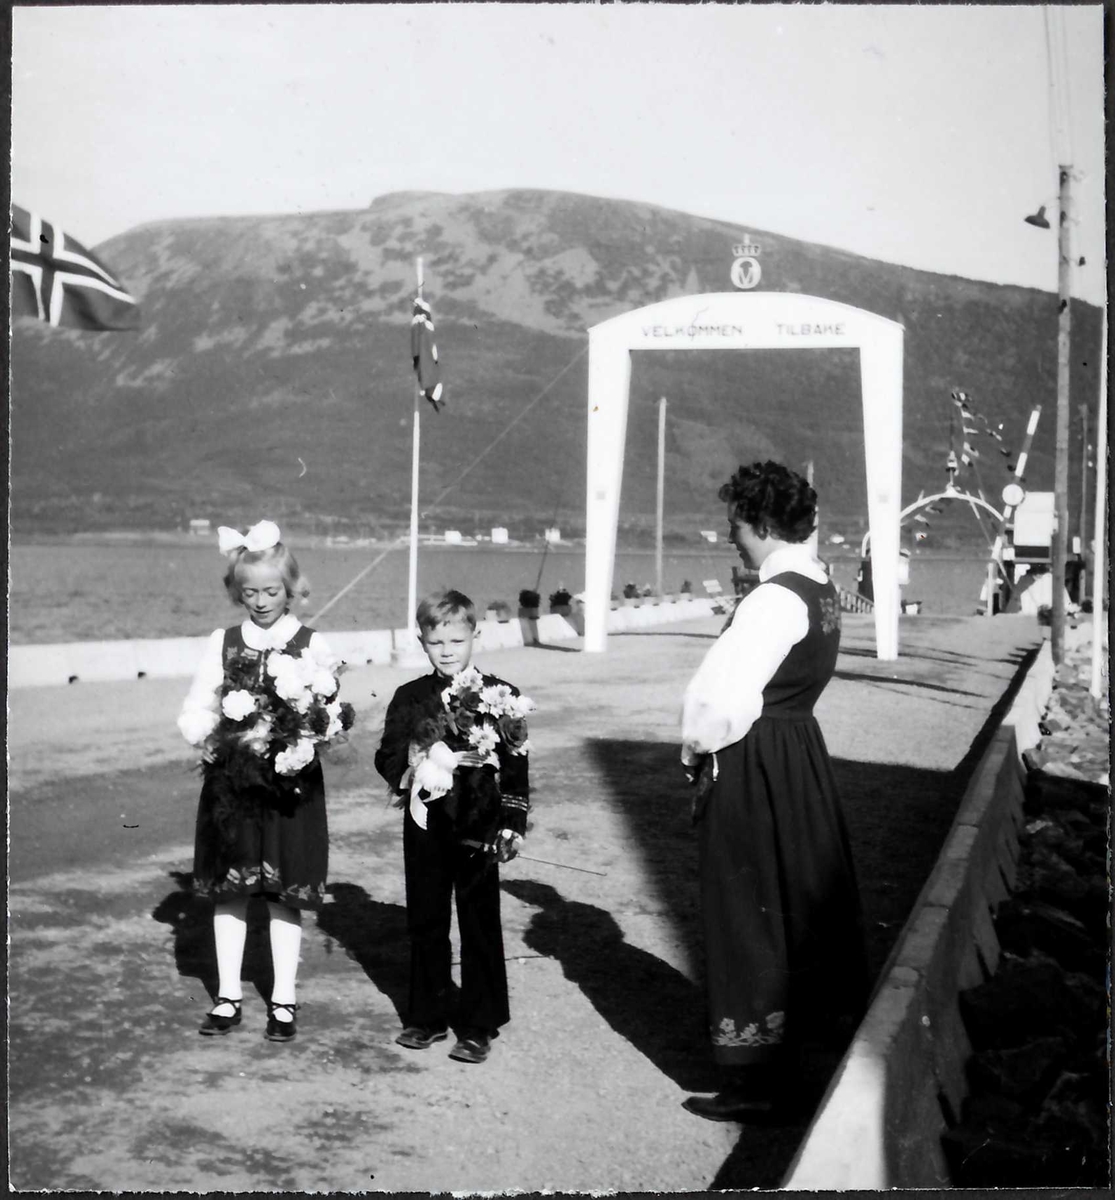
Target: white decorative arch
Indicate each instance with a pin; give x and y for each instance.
(738, 321)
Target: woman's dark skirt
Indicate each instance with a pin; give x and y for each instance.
(781, 909)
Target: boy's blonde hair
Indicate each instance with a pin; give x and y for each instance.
(440, 607)
(294, 581)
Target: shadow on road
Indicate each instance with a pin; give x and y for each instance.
(645, 1000)
(195, 956)
(374, 935)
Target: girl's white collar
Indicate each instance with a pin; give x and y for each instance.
(278, 635)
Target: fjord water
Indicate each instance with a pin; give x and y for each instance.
(83, 590)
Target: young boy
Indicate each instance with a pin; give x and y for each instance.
(453, 842)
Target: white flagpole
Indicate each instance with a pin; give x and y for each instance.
(412, 573)
(1099, 570)
(660, 500)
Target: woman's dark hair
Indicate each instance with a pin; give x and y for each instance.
(771, 497)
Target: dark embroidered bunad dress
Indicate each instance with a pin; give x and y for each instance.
(780, 904)
(262, 841)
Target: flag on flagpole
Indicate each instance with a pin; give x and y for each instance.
(423, 352)
(57, 280)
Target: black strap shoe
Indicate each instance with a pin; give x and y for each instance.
(216, 1025)
(280, 1031)
(421, 1037)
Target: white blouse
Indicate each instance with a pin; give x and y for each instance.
(725, 696)
(201, 708)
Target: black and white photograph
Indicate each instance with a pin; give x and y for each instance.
(557, 598)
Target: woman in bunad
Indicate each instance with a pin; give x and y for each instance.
(780, 906)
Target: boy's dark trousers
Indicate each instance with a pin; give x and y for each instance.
(436, 865)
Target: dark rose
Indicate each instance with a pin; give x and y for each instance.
(348, 715)
(465, 720)
(468, 702)
(514, 731)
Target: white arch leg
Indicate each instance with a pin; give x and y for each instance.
(881, 369)
(609, 381)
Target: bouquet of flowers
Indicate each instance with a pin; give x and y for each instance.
(276, 712)
(474, 717)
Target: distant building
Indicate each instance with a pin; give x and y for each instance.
(452, 537)
(499, 535)
(709, 535)
(553, 534)
(199, 526)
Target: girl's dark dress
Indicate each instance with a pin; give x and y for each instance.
(273, 843)
(781, 909)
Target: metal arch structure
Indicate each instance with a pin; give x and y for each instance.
(947, 494)
(744, 321)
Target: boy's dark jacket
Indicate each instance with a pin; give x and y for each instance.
(480, 804)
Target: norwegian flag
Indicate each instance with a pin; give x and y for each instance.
(423, 352)
(57, 280)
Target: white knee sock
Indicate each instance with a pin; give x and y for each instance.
(230, 929)
(286, 941)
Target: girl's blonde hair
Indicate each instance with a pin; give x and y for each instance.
(294, 581)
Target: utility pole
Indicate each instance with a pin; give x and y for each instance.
(1099, 574)
(1083, 530)
(1061, 465)
(661, 494)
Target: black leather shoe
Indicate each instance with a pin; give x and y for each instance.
(421, 1037)
(472, 1049)
(215, 1025)
(730, 1106)
(280, 1031)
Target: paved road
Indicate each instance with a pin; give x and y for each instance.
(110, 956)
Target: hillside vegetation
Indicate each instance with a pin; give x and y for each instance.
(271, 374)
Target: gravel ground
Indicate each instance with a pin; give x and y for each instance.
(111, 1088)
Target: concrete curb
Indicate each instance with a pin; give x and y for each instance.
(901, 1083)
(56, 663)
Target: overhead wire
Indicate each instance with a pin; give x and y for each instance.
(402, 541)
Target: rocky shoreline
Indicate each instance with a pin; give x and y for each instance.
(1039, 1075)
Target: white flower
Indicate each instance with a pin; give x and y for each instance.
(323, 682)
(520, 706)
(291, 760)
(237, 705)
(495, 699)
(484, 738)
(289, 685)
(468, 680)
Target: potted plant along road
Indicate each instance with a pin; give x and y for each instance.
(529, 603)
(561, 601)
(498, 610)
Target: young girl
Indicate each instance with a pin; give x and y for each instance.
(261, 827)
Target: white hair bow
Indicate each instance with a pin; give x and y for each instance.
(262, 536)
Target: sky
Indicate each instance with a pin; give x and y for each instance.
(912, 134)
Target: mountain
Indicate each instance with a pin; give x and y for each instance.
(272, 377)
